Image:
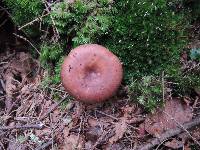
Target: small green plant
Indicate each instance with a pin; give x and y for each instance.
(147, 92)
(83, 21)
(50, 52)
(182, 80)
(21, 138)
(35, 139)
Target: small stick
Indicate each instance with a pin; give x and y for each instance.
(114, 118)
(168, 134)
(29, 126)
(55, 89)
(163, 86)
(35, 20)
(79, 132)
(52, 131)
(180, 125)
(5, 9)
(21, 37)
(54, 24)
(50, 110)
(104, 137)
(2, 134)
(3, 22)
(2, 63)
(117, 119)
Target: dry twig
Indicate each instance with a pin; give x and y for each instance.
(45, 145)
(21, 37)
(57, 35)
(35, 20)
(3, 22)
(79, 132)
(180, 125)
(168, 134)
(29, 126)
(110, 116)
(104, 137)
(51, 109)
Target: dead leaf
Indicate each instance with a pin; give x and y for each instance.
(88, 145)
(22, 63)
(78, 111)
(115, 146)
(161, 121)
(92, 122)
(70, 1)
(103, 122)
(187, 147)
(141, 130)
(15, 145)
(73, 142)
(43, 132)
(94, 133)
(195, 132)
(120, 129)
(47, 104)
(10, 86)
(55, 115)
(129, 109)
(174, 144)
(67, 130)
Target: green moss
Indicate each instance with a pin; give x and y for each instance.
(185, 81)
(147, 91)
(147, 36)
(24, 11)
(82, 21)
(50, 52)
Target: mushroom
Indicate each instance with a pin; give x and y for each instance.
(91, 73)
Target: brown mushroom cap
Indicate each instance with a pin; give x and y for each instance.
(91, 73)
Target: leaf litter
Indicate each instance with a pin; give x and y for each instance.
(114, 125)
(166, 118)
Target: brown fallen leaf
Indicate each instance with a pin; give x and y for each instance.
(94, 133)
(174, 144)
(120, 129)
(15, 145)
(66, 130)
(187, 147)
(88, 145)
(78, 111)
(195, 132)
(157, 123)
(73, 142)
(141, 130)
(22, 63)
(10, 85)
(42, 133)
(103, 122)
(115, 146)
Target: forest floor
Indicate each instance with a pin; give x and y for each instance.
(36, 117)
